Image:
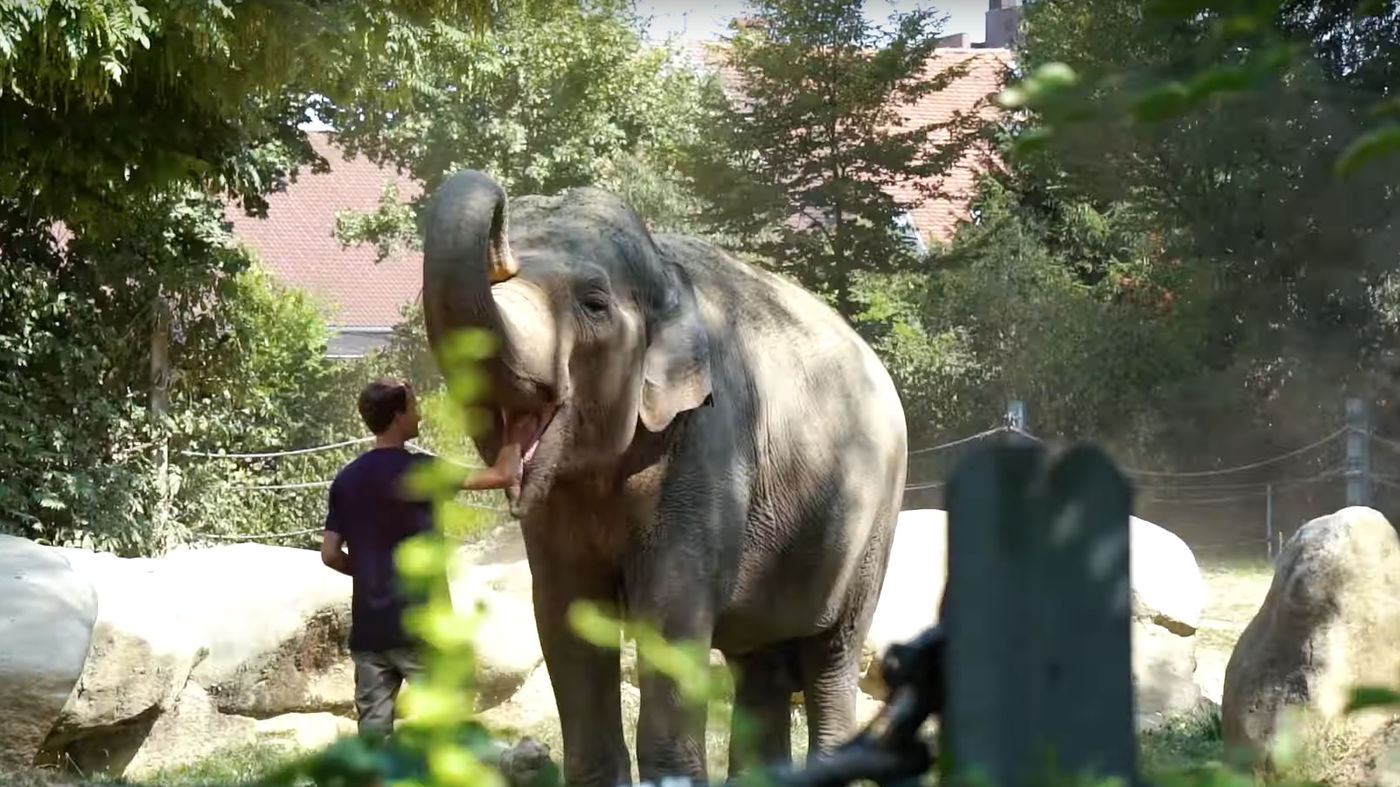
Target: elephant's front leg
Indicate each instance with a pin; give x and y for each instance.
(670, 728)
(587, 682)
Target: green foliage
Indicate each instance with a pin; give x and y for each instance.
(1058, 303)
(559, 94)
(1215, 50)
(82, 458)
(1364, 697)
(90, 91)
(268, 388)
(119, 124)
(798, 165)
(1176, 289)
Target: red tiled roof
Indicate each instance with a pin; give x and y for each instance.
(971, 93)
(297, 243)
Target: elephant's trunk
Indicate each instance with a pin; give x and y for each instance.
(465, 251)
(470, 281)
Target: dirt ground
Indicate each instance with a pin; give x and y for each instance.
(1234, 591)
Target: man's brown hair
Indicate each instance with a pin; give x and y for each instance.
(381, 400)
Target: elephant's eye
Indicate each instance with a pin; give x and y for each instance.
(596, 302)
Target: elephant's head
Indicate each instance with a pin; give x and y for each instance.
(596, 331)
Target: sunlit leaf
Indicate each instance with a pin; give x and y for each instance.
(421, 557)
(435, 479)
(1160, 103)
(1368, 147)
(593, 626)
(1372, 697)
(468, 345)
(1012, 97)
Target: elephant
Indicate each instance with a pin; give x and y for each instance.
(708, 448)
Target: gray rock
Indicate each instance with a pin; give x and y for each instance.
(47, 615)
(1330, 621)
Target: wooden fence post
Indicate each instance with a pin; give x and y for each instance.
(1036, 614)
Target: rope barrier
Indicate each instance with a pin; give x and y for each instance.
(1387, 483)
(1258, 486)
(310, 530)
(306, 485)
(959, 441)
(260, 536)
(1393, 445)
(1237, 468)
(274, 454)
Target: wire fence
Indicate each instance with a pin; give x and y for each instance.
(295, 486)
(1157, 489)
(1214, 509)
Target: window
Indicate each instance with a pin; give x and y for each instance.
(905, 228)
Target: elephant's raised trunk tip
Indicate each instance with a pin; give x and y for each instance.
(465, 252)
(500, 263)
(454, 231)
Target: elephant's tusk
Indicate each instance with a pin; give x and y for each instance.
(501, 265)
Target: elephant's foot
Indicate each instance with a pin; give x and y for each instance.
(670, 733)
(611, 767)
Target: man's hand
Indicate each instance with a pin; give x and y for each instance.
(505, 472)
(333, 552)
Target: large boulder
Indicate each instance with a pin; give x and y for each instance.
(1167, 594)
(47, 614)
(228, 645)
(141, 655)
(288, 652)
(912, 591)
(193, 649)
(1330, 621)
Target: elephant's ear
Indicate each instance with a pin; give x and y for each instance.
(676, 370)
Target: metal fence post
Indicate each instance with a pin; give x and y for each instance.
(1269, 520)
(1358, 459)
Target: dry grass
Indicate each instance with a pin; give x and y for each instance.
(1234, 591)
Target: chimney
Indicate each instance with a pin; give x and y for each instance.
(753, 22)
(1003, 24)
(955, 41)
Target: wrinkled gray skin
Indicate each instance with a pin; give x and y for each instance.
(723, 459)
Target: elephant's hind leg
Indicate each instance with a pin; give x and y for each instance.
(761, 732)
(830, 664)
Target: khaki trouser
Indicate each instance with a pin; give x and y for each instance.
(378, 677)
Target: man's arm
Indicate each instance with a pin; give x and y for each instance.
(500, 475)
(333, 552)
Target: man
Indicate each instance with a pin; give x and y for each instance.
(370, 514)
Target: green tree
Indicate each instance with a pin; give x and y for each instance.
(1198, 290)
(1237, 49)
(798, 166)
(558, 94)
(248, 369)
(122, 126)
(92, 90)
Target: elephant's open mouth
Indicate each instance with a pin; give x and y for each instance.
(528, 428)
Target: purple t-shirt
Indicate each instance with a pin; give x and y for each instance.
(369, 508)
